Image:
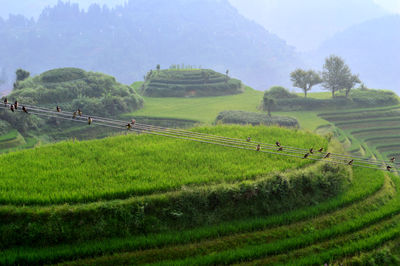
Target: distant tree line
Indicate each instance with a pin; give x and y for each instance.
(336, 76)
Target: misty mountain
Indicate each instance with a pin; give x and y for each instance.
(129, 40)
(307, 23)
(370, 49)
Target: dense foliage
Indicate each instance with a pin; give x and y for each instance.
(73, 88)
(253, 118)
(357, 99)
(189, 83)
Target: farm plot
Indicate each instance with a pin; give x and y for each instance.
(370, 130)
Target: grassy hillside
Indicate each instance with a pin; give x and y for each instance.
(137, 165)
(189, 83)
(203, 109)
(149, 200)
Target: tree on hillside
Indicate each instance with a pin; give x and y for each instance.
(336, 75)
(158, 67)
(305, 79)
(22, 74)
(350, 83)
(268, 104)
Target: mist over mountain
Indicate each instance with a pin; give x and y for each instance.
(306, 24)
(129, 40)
(371, 49)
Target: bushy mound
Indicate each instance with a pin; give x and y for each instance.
(73, 88)
(278, 92)
(357, 99)
(63, 75)
(189, 83)
(242, 117)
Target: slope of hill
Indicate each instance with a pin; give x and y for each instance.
(370, 49)
(189, 83)
(128, 40)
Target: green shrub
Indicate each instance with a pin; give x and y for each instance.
(242, 117)
(278, 92)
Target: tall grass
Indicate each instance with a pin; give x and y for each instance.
(122, 166)
(365, 183)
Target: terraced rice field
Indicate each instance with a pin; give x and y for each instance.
(361, 219)
(374, 132)
(13, 141)
(353, 226)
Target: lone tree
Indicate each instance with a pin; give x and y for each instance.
(337, 76)
(22, 74)
(305, 79)
(158, 67)
(268, 104)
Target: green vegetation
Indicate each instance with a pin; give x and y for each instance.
(290, 231)
(242, 117)
(305, 80)
(357, 98)
(337, 76)
(189, 83)
(371, 132)
(74, 88)
(135, 165)
(203, 109)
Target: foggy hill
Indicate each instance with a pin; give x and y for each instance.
(129, 40)
(307, 23)
(370, 49)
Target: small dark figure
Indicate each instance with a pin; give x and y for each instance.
(327, 155)
(90, 120)
(306, 155)
(312, 150)
(321, 149)
(12, 108)
(5, 101)
(278, 144)
(248, 139)
(79, 112)
(392, 159)
(258, 147)
(280, 149)
(388, 168)
(128, 126)
(16, 105)
(133, 122)
(74, 115)
(24, 109)
(350, 162)
(58, 108)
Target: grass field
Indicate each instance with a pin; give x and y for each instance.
(140, 164)
(204, 109)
